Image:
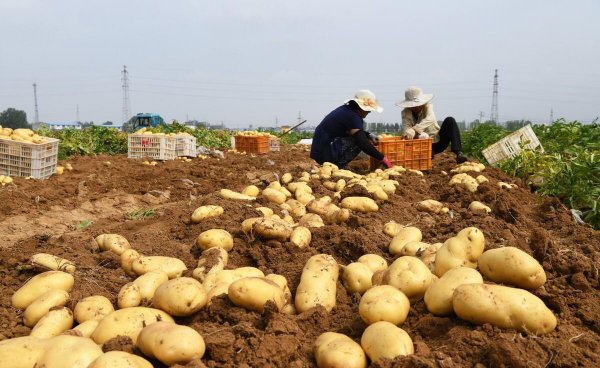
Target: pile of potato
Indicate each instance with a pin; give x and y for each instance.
(21, 135)
(254, 133)
(5, 179)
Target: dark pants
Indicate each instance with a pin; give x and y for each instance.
(449, 135)
(341, 151)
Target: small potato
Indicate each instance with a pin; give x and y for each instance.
(297, 209)
(53, 323)
(120, 359)
(373, 261)
(274, 195)
(510, 265)
(430, 205)
(311, 220)
(130, 295)
(462, 250)
(173, 267)
(384, 303)
(52, 262)
(385, 340)
(304, 197)
(230, 194)
(392, 228)
(215, 238)
(205, 212)
(334, 350)
(438, 297)
(410, 275)
(254, 292)
(265, 211)
(413, 248)
(317, 283)
(40, 284)
(92, 307)
(128, 322)
(170, 343)
(286, 178)
(299, 186)
(112, 242)
(301, 237)
(127, 258)
(180, 297)
(357, 277)
(42, 305)
(21, 352)
(87, 328)
(479, 208)
(403, 236)
(69, 351)
(503, 307)
(251, 190)
(359, 204)
(210, 261)
(328, 211)
(149, 282)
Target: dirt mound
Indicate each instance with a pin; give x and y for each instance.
(151, 206)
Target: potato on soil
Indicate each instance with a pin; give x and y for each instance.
(329, 211)
(21, 352)
(510, 265)
(112, 242)
(170, 343)
(479, 208)
(205, 212)
(462, 250)
(385, 340)
(120, 359)
(359, 204)
(52, 262)
(430, 205)
(69, 351)
(92, 307)
(265, 211)
(251, 190)
(297, 209)
(229, 276)
(301, 237)
(274, 195)
(392, 228)
(40, 284)
(128, 322)
(149, 282)
(272, 229)
(414, 248)
(438, 297)
(53, 323)
(230, 194)
(384, 303)
(87, 328)
(180, 297)
(173, 267)
(211, 260)
(335, 350)
(373, 261)
(253, 293)
(127, 258)
(403, 236)
(215, 238)
(356, 277)
(311, 220)
(130, 296)
(42, 305)
(410, 275)
(317, 283)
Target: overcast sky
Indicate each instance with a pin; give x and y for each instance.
(255, 61)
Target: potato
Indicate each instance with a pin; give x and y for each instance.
(311, 220)
(334, 350)
(21, 352)
(385, 340)
(428, 255)
(301, 237)
(51, 262)
(254, 292)
(87, 328)
(403, 236)
(173, 267)
(392, 228)
(466, 181)
(127, 258)
(92, 307)
(42, 305)
(510, 265)
(120, 359)
(462, 250)
(503, 307)
(230, 194)
(413, 248)
(430, 205)
(274, 185)
(53, 323)
(69, 351)
(274, 195)
(373, 261)
(410, 275)
(304, 197)
(39, 285)
(357, 277)
(281, 281)
(205, 212)
(229, 276)
(330, 185)
(149, 282)
(297, 209)
(272, 229)
(286, 178)
(113, 242)
(479, 208)
(377, 278)
(329, 211)
(438, 297)
(251, 190)
(210, 261)
(219, 289)
(265, 211)
(128, 322)
(359, 204)
(215, 238)
(384, 303)
(170, 343)
(317, 283)
(130, 295)
(180, 297)
(377, 192)
(299, 186)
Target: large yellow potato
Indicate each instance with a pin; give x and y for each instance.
(52, 262)
(42, 305)
(503, 307)
(53, 323)
(311, 220)
(130, 295)
(40, 284)
(128, 322)
(120, 359)
(127, 258)
(317, 283)
(384, 303)
(299, 186)
(69, 351)
(87, 328)
(403, 236)
(92, 307)
(432, 206)
(301, 237)
(229, 276)
(254, 292)
(21, 352)
(215, 238)
(273, 195)
(392, 228)
(272, 229)
(149, 282)
(385, 340)
(180, 297)
(328, 211)
(414, 248)
(170, 343)
(373, 261)
(251, 190)
(479, 208)
(113, 242)
(410, 275)
(357, 277)
(281, 281)
(510, 265)
(297, 209)
(359, 204)
(173, 267)
(335, 350)
(462, 250)
(205, 212)
(438, 297)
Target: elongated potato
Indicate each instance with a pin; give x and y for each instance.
(230, 194)
(301, 237)
(430, 205)
(462, 250)
(299, 186)
(127, 258)
(205, 212)
(173, 267)
(254, 292)
(392, 228)
(265, 211)
(438, 297)
(273, 195)
(317, 283)
(385, 340)
(87, 328)
(69, 351)
(180, 297)
(311, 220)
(21, 352)
(503, 307)
(328, 211)
(51, 262)
(40, 284)
(42, 305)
(149, 282)
(170, 343)
(215, 238)
(53, 323)
(384, 303)
(120, 359)
(335, 350)
(373, 261)
(409, 275)
(357, 277)
(92, 307)
(251, 190)
(229, 276)
(359, 204)
(210, 261)
(112, 242)
(510, 265)
(128, 322)
(479, 208)
(405, 235)
(130, 295)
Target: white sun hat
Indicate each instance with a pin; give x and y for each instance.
(413, 97)
(366, 100)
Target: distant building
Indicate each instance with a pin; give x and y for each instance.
(60, 125)
(285, 128)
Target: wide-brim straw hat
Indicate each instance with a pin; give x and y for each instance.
(366, 100)
(413, 97)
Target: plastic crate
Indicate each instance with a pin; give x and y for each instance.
(28, 159)
(157, 147)
(510, 146)
(252, 144)
(408, 153)
(274, 144)
(185, 145)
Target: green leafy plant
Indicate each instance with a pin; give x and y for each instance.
(140, 213)
(84, 224)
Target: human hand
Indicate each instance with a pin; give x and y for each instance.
(409, 133)
(374, 138)
(423, 135)
(387, 163)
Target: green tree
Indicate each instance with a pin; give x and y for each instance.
(13, 118)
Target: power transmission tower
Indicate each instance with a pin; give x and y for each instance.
(481, 116)
(126, 103)
(299, 117)
(494, 113)
(551, 116)
(78, 114)
(37, 115)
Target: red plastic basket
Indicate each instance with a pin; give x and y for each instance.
(408, 153)
(252, 144)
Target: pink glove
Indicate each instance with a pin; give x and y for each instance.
(387, 163)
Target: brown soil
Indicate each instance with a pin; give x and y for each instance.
(51, 216)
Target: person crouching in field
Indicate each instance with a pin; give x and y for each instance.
(418, 121)
(341, 136)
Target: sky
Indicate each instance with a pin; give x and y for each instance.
(263, 62)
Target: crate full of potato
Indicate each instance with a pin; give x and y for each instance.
(146, 144)
(253, 142)
(25, 153)
(185, 145)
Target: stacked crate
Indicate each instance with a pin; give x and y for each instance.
(408, 153)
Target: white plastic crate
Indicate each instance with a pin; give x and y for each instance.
(510, 146)
(28, 159)
(274, 144)
(185, 145)
(158, 147)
